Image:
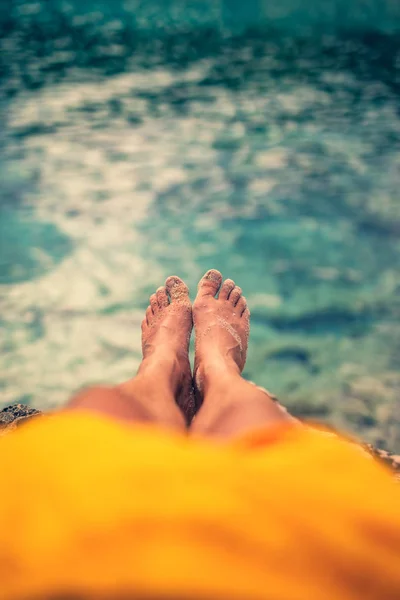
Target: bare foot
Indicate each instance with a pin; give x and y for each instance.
(166, 331)
(222, 328)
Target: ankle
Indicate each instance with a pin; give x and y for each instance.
(217, 374)
(160, 356)
(160, 370)
(161, 362)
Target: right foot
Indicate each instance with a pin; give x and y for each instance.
(222, 328)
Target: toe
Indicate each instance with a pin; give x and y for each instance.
(226, 289)
(162, 297)
(210, 283)
(177, 289)
(235, 295)
(149, 315)
(154, 303)
(144, 325)
(241, 305)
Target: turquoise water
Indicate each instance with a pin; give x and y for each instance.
(129, 153)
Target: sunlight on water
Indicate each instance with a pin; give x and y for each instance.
(126, 158)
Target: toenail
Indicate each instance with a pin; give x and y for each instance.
(212, 274)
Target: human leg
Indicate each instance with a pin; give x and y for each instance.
(230, 404)
(164, 378)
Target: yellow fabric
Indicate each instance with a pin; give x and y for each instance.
(92, 507)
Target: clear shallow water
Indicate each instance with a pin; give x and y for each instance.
(126, 158)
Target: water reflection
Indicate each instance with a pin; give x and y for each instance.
(127, 157)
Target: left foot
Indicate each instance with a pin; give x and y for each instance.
(166, 331)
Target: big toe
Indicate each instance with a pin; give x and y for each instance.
(177, 289)
(210, 283)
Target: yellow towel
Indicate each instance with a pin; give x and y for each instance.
(92, 507)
